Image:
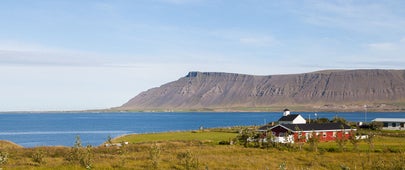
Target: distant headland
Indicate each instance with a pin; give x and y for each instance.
(327, 90)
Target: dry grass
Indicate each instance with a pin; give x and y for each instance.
(173, 154)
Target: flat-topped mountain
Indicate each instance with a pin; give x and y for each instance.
(350, 90)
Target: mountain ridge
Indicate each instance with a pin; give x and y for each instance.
(338, 90)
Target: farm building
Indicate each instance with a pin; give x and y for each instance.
(293, 128)
(302, 132)
(391, 123)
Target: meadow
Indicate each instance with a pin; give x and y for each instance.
(202, 150)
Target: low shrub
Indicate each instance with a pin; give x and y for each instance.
(222, 142)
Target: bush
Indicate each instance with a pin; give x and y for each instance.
(154, 156)
(38, 157)
(222, 142)
(3, 158)
(188, 160)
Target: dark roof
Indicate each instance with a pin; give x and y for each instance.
(316, 126)
(290, 117)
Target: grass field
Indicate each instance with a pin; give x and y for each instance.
(200, 150)
(208, 137)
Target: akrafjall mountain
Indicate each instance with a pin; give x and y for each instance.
(337, 90)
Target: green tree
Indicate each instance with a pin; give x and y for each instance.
(339, 120)
(245, 135)
(322, 120)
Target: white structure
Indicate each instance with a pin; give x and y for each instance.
(286, 112)
(392, 123)
(291, 118)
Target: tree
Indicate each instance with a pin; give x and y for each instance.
(322, 120)
(376, 125)
(339, 120)
(270, 140)
(245, 135)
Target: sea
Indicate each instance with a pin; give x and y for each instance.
(62, 128)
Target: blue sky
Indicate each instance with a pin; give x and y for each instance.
(75, 54)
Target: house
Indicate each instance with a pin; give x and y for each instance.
(391, 123)
(293, 128)
(302, 132)
(288, 118)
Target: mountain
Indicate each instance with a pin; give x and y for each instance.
(337, 90)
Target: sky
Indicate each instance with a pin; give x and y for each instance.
(95, 54)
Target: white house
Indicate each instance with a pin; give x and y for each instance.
(291, 118)
(392, 123)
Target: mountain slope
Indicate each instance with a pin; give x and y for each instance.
(335, 90)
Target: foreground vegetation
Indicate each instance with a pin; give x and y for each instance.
(210, 149)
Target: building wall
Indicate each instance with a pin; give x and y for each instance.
(393, 126)
(279, 131)
(299, 120)
(324, 136)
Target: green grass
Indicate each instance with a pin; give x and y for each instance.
(206, 136)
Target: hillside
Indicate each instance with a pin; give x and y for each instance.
(337, 90)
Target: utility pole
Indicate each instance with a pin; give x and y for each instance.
(365, 113)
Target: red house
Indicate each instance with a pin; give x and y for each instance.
(285, 133)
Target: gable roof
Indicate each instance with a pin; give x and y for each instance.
(290, 117)
(314, 126)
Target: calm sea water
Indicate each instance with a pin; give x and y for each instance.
(54, 129)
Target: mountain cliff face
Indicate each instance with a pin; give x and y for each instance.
(333, 90)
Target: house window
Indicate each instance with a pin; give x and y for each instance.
(334, 134)
(346, 133)
(402, 125)
(385, 124)
(394, 124)
(324, 134)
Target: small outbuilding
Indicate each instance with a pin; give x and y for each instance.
(391, 123)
